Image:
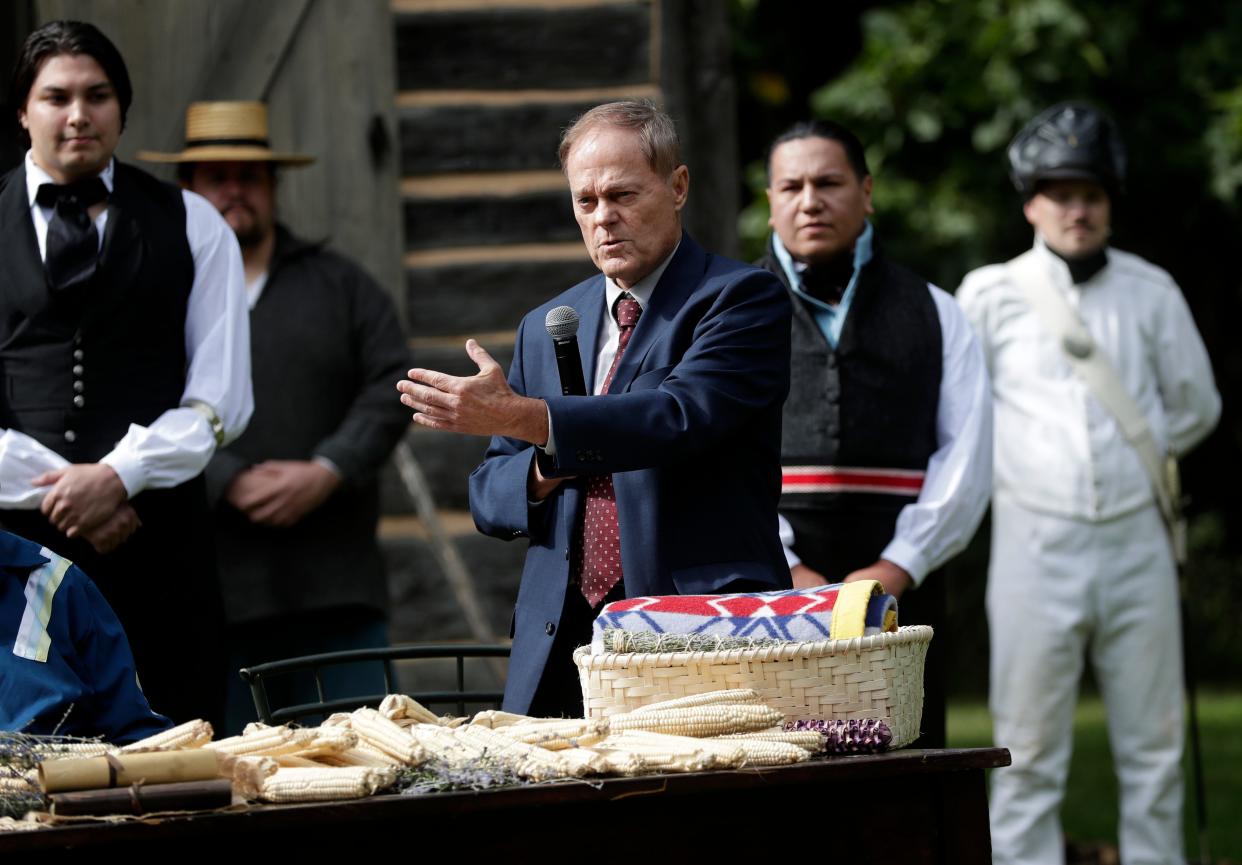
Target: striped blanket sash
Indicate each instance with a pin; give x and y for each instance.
(837, 479)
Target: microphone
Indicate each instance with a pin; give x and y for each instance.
(562, 325)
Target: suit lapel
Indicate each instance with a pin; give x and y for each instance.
(679, 280)
(591, 324)
(22, 279)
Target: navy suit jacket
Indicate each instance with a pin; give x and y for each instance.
(690, 431)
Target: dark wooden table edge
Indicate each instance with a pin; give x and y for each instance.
(259, 818)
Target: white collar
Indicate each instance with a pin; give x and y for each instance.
(36, 177)
(641, 290)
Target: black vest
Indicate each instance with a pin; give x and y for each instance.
(80, 366)
(872, 401)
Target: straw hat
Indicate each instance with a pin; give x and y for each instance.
(226, 132)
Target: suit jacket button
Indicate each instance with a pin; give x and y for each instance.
(582, 456)
(549, 628)
(79, 402)
(70, 436)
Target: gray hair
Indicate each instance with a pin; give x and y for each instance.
(657, 136)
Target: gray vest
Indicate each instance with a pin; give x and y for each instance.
(871, 402)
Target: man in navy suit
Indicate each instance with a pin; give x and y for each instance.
(666, 479)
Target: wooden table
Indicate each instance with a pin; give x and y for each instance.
(907, 806)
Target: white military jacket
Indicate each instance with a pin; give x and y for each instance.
(1057, 449)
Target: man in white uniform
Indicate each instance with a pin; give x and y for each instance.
(1081, 562)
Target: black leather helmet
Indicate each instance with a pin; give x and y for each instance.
(1070, 140)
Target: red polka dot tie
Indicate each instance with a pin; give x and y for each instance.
(600, 553)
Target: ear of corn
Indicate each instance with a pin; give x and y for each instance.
(399, 707)
(384, 735)
(852, 736)
(585, 761)
(325, 740)
(495, 719)
(556, 734)
(26, 782)
(249, 773)
(75, 749)
(700, 721)
(257, 740)
(617, 761)
(707, 698)
(807, 739)
(662, 752)
(322, 784)
(529, 761)
(358, 756)
(446, 745)
(192, 734)
(770, 752)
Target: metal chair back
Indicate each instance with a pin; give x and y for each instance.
(258, 675)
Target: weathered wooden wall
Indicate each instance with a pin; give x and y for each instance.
(326, 69)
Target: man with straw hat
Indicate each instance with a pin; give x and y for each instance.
(121, 301)
(296, 498)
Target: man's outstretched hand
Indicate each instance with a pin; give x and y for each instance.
(481, 404)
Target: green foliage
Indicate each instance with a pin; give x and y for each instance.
(941, 86)
(1090, 810)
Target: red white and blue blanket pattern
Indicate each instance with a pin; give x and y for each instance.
(793, 614)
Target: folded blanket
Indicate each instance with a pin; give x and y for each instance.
(651, 643)
(834, 612)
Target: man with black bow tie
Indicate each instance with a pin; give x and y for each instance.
(886, 442)
(123, 337)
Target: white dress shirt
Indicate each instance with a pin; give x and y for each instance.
(177, 445)
(958, 479)
(1057, 449)
(611, 334)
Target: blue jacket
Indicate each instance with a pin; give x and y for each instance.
(690, 431)
(65, 665)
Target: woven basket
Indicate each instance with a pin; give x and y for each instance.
(863, 677)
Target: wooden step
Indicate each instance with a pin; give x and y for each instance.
(447, 459)
(423, 608)
(532, 217)
(448, 353)
(511, 48)
(448, 295)
(521, 136)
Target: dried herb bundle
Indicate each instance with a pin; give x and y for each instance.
(20, 756)
(437, 775)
